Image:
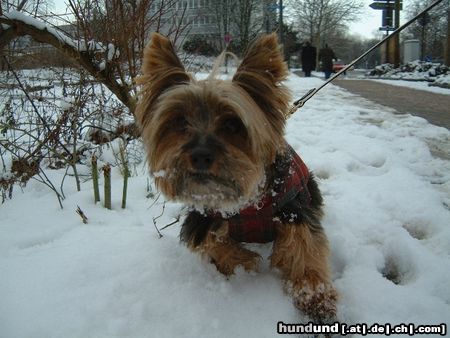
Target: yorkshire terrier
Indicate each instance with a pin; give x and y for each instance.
(218, 146)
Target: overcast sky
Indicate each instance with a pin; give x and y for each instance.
(369, 22)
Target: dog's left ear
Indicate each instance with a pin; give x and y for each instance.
(161, 69)
(260, 75)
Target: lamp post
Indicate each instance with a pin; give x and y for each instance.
(281, 25)
(392, 46)
(396, 38)
(447, 47)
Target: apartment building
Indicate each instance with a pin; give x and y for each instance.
(214, 20)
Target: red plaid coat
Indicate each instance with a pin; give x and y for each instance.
(256, 223)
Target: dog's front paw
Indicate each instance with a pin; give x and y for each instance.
(227, 263)
(318, 302)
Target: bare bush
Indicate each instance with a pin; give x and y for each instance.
(58, 116)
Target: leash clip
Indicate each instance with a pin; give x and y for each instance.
(300, 102)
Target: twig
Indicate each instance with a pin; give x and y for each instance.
(24, 90)
(95, 178)
(126, 174)
(177, 219)
(159, 216)
(107, 176)
(154, 201)
(82, 215)
(49, 184)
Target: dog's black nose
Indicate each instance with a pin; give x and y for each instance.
(202, 158)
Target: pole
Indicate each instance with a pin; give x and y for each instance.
(422, 42)
(281, 25)
(386, 46)
(388, 49)
(447, 47)
(396, 38)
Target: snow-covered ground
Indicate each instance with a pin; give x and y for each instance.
(387, 217)
(435, 73)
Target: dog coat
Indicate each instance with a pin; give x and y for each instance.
(256, 223)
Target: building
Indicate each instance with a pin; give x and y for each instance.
(217, 21)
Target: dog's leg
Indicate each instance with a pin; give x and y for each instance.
(226, 253)
(302, 256)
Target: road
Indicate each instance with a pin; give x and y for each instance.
(433, 107)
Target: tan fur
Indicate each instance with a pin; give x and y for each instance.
(260, 74)
(296, 251)
(164, 143)
(227, 254)
(176, 113)
(168, 93)
(161, 69)
(302, 257)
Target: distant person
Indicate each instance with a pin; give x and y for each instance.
(326, 56)
(309, 54)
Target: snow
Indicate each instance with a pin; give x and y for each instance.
(442, 81)
(110, 50)
(387, 218)
(66, 103)
(419, 85)
(436, 74)
(29, 20)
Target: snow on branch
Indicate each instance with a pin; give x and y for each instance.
(80, 51)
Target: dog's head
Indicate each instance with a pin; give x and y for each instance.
(209, 142)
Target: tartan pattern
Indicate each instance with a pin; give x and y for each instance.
(256, 223)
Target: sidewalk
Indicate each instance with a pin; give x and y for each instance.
(433, 107)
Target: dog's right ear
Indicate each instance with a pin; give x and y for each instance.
(261, 74)
(161, 69)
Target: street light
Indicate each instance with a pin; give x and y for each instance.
(281, 25)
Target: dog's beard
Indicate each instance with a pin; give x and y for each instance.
(206, 192)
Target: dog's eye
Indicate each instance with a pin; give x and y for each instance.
(179, 123)
(232, 126)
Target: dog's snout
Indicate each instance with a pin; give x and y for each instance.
(202, 158)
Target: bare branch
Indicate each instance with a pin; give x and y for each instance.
(24, 25)
(82, 215)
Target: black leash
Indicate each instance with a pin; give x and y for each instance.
(300, 102)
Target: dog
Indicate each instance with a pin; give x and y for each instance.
(218, 146)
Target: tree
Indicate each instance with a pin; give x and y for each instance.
(222, 11)
(34, 7)
(110, 36)
(318, 20)
(238, 18)
(292, 45)
(247, 22)
(348, 48)
(197, 44)
(431, 29)
(105, 44)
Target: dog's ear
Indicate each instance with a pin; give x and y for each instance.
(161, 69)
(160, 60)
(260, 75)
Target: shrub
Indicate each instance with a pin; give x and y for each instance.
(199, 45)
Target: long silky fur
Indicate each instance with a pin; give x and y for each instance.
(260, 74)
(196, 226)
(257, 97)
(161, 70)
